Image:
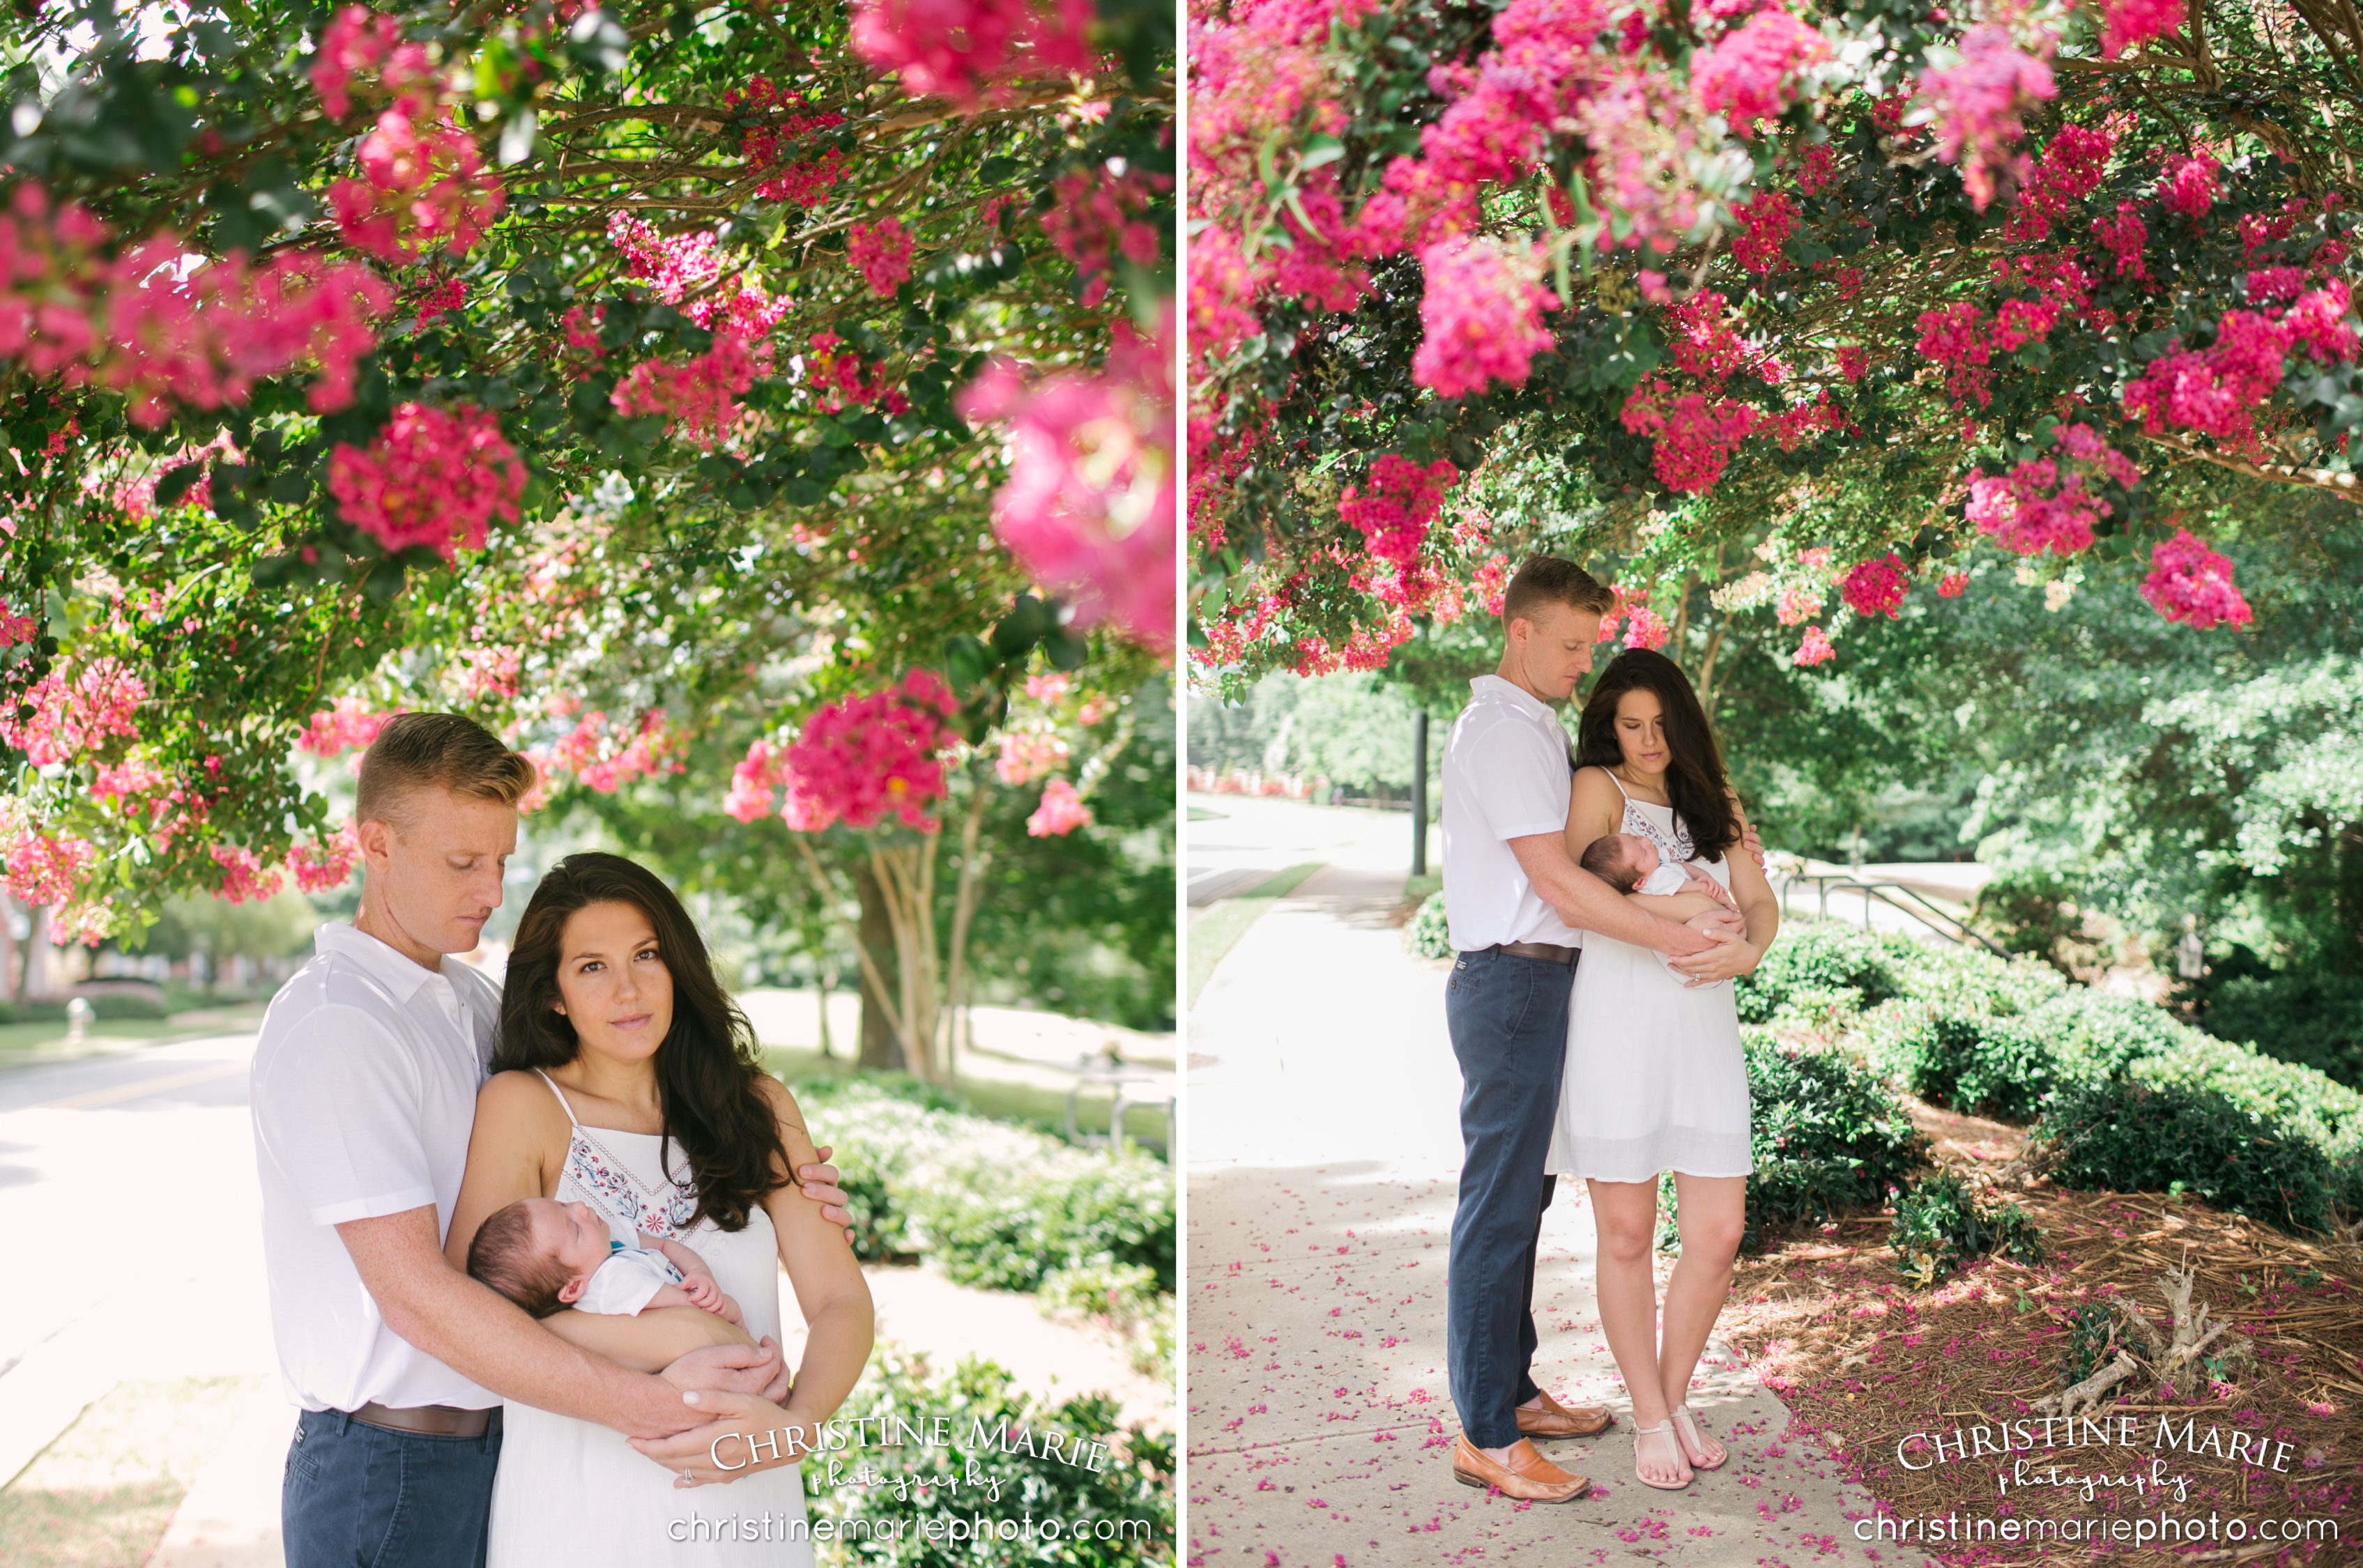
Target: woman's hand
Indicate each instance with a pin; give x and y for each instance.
(748, 1434)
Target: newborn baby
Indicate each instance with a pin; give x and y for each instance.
(544, 1255)
(1631, 863)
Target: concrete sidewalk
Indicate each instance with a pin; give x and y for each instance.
(1325, 1148)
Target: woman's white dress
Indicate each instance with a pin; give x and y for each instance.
(1655, 1077)
(570, 1494)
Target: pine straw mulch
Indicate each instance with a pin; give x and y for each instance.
(1864, 1361)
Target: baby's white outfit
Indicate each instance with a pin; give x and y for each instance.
(624, 1284)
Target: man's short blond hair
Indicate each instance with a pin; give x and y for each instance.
(448, 751)
(1546, 580)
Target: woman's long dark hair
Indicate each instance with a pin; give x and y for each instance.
(706, 1065)
(1694, 777)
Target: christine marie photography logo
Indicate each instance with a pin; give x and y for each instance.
(835, 1440)
(733, 1452)
(2122, 1459)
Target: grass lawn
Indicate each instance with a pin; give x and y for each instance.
(1201, 814)
(1418, 889)
(22, 1044)
(1041, 1108)
(1216, 930)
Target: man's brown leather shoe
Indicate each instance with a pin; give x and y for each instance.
(1556, 1420)
(1528, 1477)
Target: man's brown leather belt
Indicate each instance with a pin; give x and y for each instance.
(429, 1420)
(1548, 952)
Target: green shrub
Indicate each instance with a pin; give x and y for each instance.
(2298, 1101)
(126, 1005)
(2132, 1135)
(1427, 936)
(990, 1203)
(2310, 1018)
(1136, 1483)
(1965, 1060)
(2095, 1035)
(1826, 1135)
(32, 1012)
(1123, 1298)
(1970, 979)
(1818, 957)
(1942, 1224)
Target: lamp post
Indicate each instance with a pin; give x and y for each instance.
(1419, 793)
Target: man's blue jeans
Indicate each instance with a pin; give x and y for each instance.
(361, 1496)
(1508, 1018)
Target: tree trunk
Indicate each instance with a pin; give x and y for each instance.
(33, 981)
(882, 1044)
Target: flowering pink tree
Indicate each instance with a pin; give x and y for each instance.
(1944, 292)
(503, 360)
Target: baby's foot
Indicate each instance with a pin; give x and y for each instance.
(1703, 1450)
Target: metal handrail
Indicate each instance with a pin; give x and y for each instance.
(1828, 882)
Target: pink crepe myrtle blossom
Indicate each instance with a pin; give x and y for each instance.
(357, 41)
(1089, 507)
(423, 188)
(2131, 22)
(1481, 316)
(1953, 584)
(967, 50)
(2193, 584)
(1751, 74)
(127, 783)
(1701, 339)
(74, 711)
(447, 295)
(1394, 510)
(1645, 628)
(1695, 435)
(1981, 104)
(1049, 686)
(803, 178)
(1765, 225)
(46, 869)
(683, 270)
(1027, 755)
(840, 379)
(2070, 170)
(1815, 649)
(754, 783)
(348, 724)
(15, 628)
(1062, 812)
(2051, 502)
(433, 476)
(2216, 391)
(324, 865)
(245, 879)
(490, 672)
(1854, 361)
(2124, 235)
(1797, 605)
(2191, 187)
(869, 757)
(604, 756)
(697, 398)
(1095, 215)
(881, 252)
(1876, 588)
(1490, 582)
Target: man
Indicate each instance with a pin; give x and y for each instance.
(1517, 906)
(364, 1094)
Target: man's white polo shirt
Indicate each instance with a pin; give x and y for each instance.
(1507, 775)
(364, 1092)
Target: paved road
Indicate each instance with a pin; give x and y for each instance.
(132, 1179)
(1249, 839)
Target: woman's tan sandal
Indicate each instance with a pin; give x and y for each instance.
(1663, 1429)
(1682, 1413)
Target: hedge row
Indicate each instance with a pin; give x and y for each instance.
(991, 1203)
(2127, 1096)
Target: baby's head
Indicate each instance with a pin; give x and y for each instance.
(539, 1253)
(1620, 859)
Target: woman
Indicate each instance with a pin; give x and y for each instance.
(625, 1078)
(1655, 1078)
